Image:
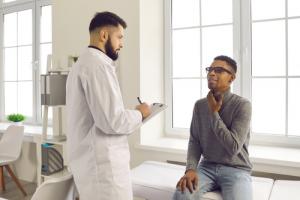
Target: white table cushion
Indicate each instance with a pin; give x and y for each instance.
(262, 188)
(285, 190)
(156, 180)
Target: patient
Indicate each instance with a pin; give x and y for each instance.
(220, 132)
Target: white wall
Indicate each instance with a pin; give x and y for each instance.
(151, 63)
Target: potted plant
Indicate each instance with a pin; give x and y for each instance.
(16, 118)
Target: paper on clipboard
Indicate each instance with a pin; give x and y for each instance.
(155, 109)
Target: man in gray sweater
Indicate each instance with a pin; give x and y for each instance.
(219, 135)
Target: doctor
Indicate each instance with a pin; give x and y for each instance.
(97, 122)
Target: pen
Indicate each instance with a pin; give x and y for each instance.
(138, 98)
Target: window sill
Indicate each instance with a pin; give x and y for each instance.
(280, 160)
(165, 144)
(29, 130)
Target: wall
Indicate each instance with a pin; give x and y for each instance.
(151, 63)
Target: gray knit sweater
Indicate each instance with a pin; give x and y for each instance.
(222, 137)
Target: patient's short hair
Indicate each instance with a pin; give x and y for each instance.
(102, 19)
(229, 61)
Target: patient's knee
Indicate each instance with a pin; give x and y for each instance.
(186, 195)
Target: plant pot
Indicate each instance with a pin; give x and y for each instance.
(17, 123)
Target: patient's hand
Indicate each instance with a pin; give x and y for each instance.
(189, 180)
(214, 101)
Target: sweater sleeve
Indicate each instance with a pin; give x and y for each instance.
(194, 148)
(233, 138)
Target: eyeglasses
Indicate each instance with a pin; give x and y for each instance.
(217, 70)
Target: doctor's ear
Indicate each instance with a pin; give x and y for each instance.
(103, 35)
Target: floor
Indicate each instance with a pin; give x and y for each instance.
(13, 193)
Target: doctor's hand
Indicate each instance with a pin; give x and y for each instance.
(214, 101)
(144, 109)
(189, 180)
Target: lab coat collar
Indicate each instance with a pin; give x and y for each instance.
(101, 54)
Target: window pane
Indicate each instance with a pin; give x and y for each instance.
(10, 95)
(185, 95)
(294, 107)
(294, 47)
(267, 9)
(294, 8)
(186, 53)
(10, 29)
(216, 41)
(204, 89)
(6, 1)
(25, 63)
(185, 13)
(25, 98)
(268, 43)
(10, 64)
(46, 49)
(216, 11)
(25, 27)
(46, 24)
(268, 105)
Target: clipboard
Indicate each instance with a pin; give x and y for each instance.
(155, 109)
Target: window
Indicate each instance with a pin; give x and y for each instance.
(265, 45)
(27, 40)
(17, 62)
(275, 67)
(197, 35)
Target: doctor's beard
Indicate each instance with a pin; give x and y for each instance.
(110, 51)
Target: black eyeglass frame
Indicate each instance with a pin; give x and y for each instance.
(217, 70)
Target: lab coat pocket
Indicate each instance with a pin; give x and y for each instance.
(119, 157)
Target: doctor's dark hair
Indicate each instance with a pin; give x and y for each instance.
(102, 19)
(228, 60)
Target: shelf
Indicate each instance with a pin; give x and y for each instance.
(59, 174)
(53, 142)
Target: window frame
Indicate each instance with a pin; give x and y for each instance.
(39, 5)
(17, 6)
(242, 43)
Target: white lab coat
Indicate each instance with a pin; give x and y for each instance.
(97, 129)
